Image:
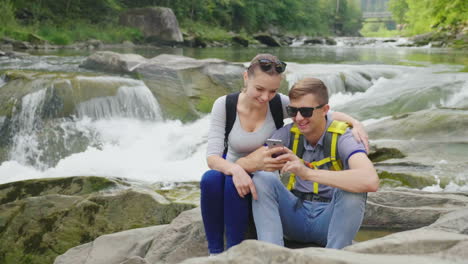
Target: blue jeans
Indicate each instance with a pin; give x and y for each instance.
(222, 207)
(332, 225)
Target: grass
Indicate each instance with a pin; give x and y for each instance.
(212, 33)
(378, 30)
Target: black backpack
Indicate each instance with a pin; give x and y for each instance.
(276, 109)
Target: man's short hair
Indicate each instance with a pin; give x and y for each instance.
(310, 86)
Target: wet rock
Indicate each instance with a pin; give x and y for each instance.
(260, 252)
(314, 41)
(113, 62)
(195, 42)
(240, 40)
(330, 41)
(156, 23)
(37, 224)
(267, 39)
(185, 87)
(406, 179)
(184, 239)
(423, 242)
(402, 210)
(381, 154)
(23, 45)
(114, 248)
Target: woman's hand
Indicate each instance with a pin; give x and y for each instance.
(360, 134)
(261, 159)
(243, 182)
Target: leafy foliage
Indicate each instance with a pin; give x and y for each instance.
(427, 15)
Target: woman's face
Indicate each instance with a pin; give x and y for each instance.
(261, 87)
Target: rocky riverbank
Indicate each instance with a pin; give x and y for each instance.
(91, 220)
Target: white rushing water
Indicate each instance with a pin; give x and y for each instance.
(126, 141)
(135, 149)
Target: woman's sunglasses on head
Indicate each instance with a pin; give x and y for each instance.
(305, 111)
(266, 64)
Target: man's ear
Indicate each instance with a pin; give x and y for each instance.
(325, 109)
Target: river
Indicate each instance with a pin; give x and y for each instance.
(414, 99)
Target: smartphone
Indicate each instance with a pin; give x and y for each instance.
(275, 143)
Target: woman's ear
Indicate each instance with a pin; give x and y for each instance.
(246, 79)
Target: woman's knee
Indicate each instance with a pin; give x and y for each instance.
(212, 179)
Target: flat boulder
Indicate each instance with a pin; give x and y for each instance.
(156, 23)
(113, 62)
(41, 219)
(409, 209)
(267, 39)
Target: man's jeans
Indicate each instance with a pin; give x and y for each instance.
(333, 224)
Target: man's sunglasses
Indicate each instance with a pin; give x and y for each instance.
(305, 111)
(266, 64)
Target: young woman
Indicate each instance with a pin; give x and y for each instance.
(226, 188)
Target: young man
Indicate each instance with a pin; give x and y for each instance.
(329, 213)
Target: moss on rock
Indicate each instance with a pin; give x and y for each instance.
(403, 179)
(381, 154)
(44, 218)
(14, 191)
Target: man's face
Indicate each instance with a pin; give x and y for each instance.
(307, 124)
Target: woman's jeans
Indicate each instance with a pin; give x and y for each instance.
(221, 208)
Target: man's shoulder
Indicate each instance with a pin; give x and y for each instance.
(282, 133)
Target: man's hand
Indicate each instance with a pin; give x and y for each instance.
(293, 163)
(243, 182)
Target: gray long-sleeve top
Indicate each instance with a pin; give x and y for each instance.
(240, 142)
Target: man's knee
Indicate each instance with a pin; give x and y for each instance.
(350, 199)
(265, 181)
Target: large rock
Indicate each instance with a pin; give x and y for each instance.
(184, 238)
(156, 23)
(253, 252)
(40, 219)
(113, 248)
(409, 209)
(423, 242)
(113, 62)
(37, 103)
(267, 39)
(184, 87)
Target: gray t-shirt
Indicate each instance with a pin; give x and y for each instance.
(241, 143)
(347, 146)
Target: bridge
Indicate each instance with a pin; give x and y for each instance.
(380, 15)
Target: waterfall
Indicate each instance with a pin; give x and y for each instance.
(132, 102)
(27, 122)
(42, 142)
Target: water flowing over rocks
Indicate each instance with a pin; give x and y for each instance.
(185, 87)
(40, 219)
(156, 23)
(441, 237)
(34, 107)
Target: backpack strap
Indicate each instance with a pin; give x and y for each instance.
(276, 109)
(330, 141)
(231, 112)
